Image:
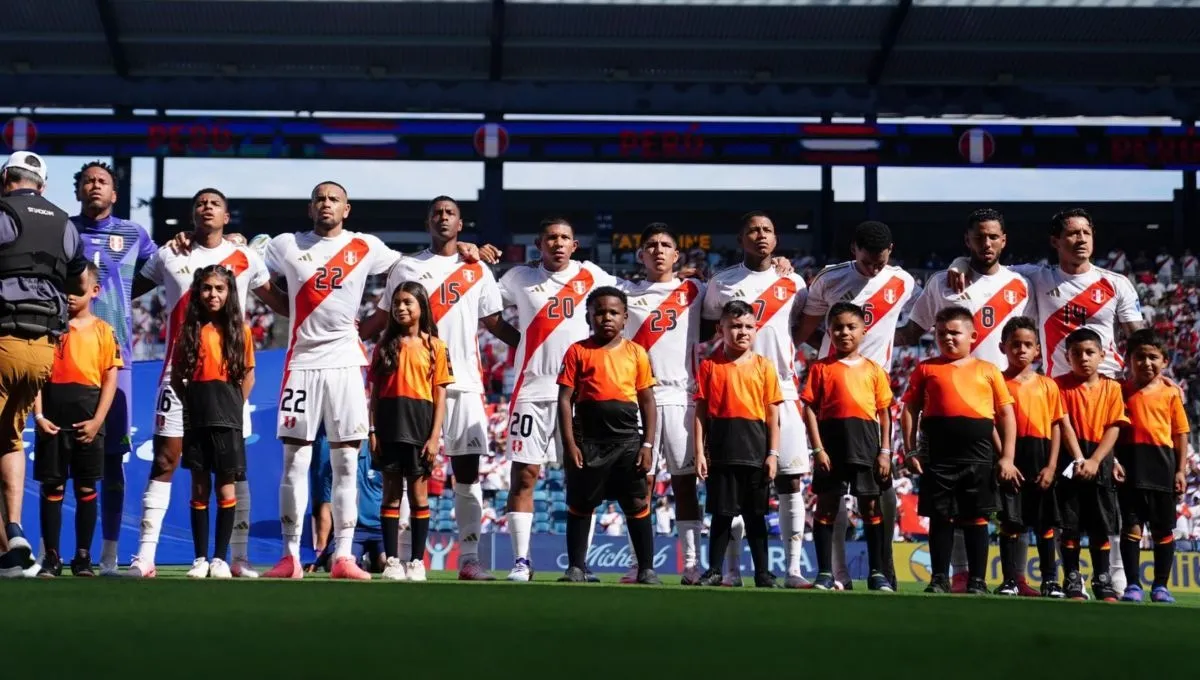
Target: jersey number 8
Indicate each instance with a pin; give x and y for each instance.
(987, 316)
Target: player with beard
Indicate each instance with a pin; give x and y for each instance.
(881, 290)
(777, 302)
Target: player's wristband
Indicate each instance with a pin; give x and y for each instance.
(38, 416)
(819, 449)
(371, 429)
(772, 452)
(883, 450)
(647, 445)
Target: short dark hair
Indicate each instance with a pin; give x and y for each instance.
(442, 199)
(210, 190)
(550, 222)
(1059, 222)
(872, 236)
(89, 275)
(93, 270)
(608, 291)
(656, 228)
(735, 308)
(744, 220)
(96, 164)
(955, 313)
(1146, 337)
(1018, 323)
(978, 217)
(1081, 335)
(841, 308)
(331, 183)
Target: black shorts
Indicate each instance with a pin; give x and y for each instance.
(1145, 507)
(402, 458)
(1086, 507)
(737, 490)
(960, 491)
(844, 478)
(609, 472)
(60, 457)
(219, 450)
(1030, 507)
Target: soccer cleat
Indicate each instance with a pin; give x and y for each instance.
(199, 568)
(416, 571)
(10, 566)
(958, 582)
(1161, 595)
(1074, 587)
(977, 586)
(1009, 588)
(879, 582)
(573, 575)
(286, 567)
(1052, 590)
(690, 577)
(346, 568)
(766, 580)
(732, 579)
(82, 565)
(591, 578)
(140, 568)
(395, 570)
(1102, 588)
(1133, 593)
(712, 577)
(522, 571)
(796, 582)
(647, 577)
(940, 584)
(241, 568)
(1026, 590)
(19, 550)
(474, 571)
(109, 569)
(630, 576)
(51, 566)
(824, 582)
(219, 568)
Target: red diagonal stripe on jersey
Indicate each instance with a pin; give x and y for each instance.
(1002, 303)
(237, 263)
(677, 302)
(773, 299)
(453, 289)
(881, 303)
(1059, 326)
(309, 297)
(543, 324)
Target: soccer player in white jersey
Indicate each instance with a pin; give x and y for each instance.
(881, 290)
(462, 295)
(1075, 294)
(550, 301)
(326, 270)
(777, 302)
(174, 271)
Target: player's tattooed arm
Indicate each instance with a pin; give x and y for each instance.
(497, 326)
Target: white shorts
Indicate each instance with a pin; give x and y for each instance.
(673, 440)
(794, 454)
(335, 396)
(464, 429)
(168, 412)
(533, 433)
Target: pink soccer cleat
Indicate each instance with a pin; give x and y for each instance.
(474, 571)
(630, 576)
(958, 582)
(347, 568)
(286, 567)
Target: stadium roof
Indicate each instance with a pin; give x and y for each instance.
(631, 57)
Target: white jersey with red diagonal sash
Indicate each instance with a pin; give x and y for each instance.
(1097, 299)
(992, 299)
(325, 278)
(882, 297)
(552, 313)
(664, 318)
(460, 294)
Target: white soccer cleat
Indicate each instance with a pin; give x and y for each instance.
(522, 571)
(219, 568)
(394, 570)
(630, 576)
(199, 568)
(241, 569)
(140, 568)
(416, 571)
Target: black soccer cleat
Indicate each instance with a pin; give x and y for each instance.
(1103, 589)
(939, 585)
(977, 586)
(589, 576)
(1009, 588)
(1074, 587)
(712, 577)
(824, 582)
(879, 582)
(647, 577)
(573, 575)
(1051, 589)
(51, 565)
(82, 565)
(766, 580)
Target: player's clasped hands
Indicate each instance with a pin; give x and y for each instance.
(1009, 473)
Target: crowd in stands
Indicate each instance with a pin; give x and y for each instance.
(1169, 288)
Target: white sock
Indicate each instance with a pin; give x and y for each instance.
(238, 542)
(791, 529)
(841, 573)
(1116, 565)
(404, 533)
(293, 495)
(591, 536)
(958, 554)
(689, 534)
(108, 553)
(344, 461)
(733, 554)
(520, 524)
(468, 511)
(154, 508)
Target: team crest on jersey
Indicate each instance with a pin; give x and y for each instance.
(1010, 296)
(116, 242)
(350, 257)
(682, 297)
(781, 293)
(579, 287)
(469, 275)
(1097, 296)
(889, 296)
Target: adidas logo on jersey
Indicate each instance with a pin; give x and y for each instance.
(306, 258)
(738, 294)
(185, 270)
(426, 276)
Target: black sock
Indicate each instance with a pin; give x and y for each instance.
(420, 531)
(641, 531)
(823, 542)
(941, 542)
(85, 520)
(1008, 553)
(389, 523)
(756, 536)
(718, 541)
(873, 532)
(1098, 547)
(975, 537)
(577, 538)
(200, 528)
(1070, 553)
(1164, 559)
(225, 511)
(1131, 549)
(51, 516)
(1045, 548)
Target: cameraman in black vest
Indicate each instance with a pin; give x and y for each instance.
(39, 252)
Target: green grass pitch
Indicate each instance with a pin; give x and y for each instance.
(172, 628)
